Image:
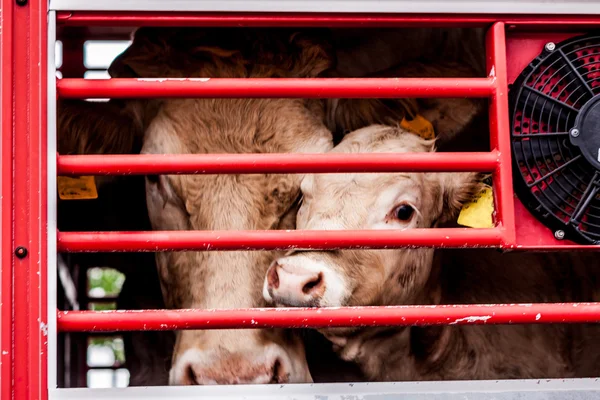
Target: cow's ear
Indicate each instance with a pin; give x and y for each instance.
(148, 56)
(456, 190)
(315, 56)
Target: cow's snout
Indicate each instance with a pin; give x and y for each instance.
(199, 368)
(295, 286)
(298, 281)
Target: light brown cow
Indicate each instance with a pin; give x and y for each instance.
(220, 202)
(412, 276)
(228, 279)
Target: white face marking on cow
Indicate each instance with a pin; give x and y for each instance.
(391, 201)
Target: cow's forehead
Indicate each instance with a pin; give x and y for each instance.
(332, 189)
(383, 139)
(361, 184)
(239, 126)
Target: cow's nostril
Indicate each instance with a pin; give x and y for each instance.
(279, 374)
(190, 375)
(314, 284)
(276, 368)
(273, 277)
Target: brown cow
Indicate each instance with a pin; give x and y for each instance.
(450, 117)
(213, 202)
(413, 276)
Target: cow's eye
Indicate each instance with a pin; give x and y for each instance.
(404, 212)
(152, 178)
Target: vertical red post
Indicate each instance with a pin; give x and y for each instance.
(500, 132)
(6, 255)
(24, 216)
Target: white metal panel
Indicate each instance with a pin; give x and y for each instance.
(51, 258)
(351, 6)
(555, 389)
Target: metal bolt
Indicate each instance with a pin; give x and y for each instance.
(559, 234)
(550, 46)
(21, 252)
(21, 2)
(574, 132)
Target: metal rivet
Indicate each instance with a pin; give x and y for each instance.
(559, 234)
(574, 132)
(550, 46)
(21, 252)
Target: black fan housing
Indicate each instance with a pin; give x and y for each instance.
(555, 134)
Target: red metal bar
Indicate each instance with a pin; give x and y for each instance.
(470, 314)
(329, 20)
(151, 241)
(6, 199)
(24, 120)
(275, 87)
(500, 132)
(144, 164)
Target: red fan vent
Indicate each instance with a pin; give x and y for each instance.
(555, 130)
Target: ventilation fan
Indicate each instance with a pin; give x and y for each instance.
(555, 134)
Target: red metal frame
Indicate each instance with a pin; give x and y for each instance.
(24, 192)
(499, 128)
(24, 215)
(495, 86)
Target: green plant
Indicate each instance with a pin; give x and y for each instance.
(104, 282)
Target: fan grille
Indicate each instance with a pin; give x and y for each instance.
(553, 177)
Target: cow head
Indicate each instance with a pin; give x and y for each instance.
(398, 201)
(221, 280)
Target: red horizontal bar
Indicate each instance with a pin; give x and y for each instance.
(152, 241)
(349, 20)
(146, 164)
(214, 19)
(275, 87)
(471, 314)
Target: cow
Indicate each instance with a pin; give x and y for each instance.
(421, 276)
(411, 53)
(459, 122)
(206, 279)
(213, 202)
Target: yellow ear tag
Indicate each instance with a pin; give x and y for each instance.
(420, 126)
(77, 188)
(478, 213)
